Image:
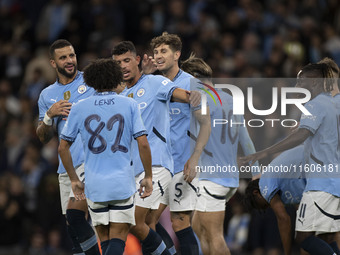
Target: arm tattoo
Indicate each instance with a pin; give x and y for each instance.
(45, 133)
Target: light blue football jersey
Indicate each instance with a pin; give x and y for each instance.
(180, 124)
(77, 90)
(219, 158)
(288, 185)
(153, 94)
(106, 123)
(322, 148)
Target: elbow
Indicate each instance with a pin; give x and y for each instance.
(42, 139)
(144, 145)
(63, 146)
(60, 149)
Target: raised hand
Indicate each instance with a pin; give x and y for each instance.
(148, 64)
(60, 108)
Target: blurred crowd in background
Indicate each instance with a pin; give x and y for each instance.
(245, 38)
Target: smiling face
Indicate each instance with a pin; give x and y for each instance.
(65, 62)
(129, 62)
(166, 59)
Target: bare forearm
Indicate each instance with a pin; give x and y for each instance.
(44, 132)
(204, 132)
(285, 233)
(66, 158)
(145, 155)
(284, 223)
(289, 142)
(180, 95)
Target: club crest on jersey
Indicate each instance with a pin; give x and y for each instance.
(130, 95)
(140, 92)
(81, 89)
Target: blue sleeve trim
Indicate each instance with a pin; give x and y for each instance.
(308, 128)
(135, 136)
(272, 194)
(67, 138)
(171, 92)
(196, 108)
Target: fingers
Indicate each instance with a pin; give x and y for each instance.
(145, 57)
(194, 98)
(248, 160)
(80, 196)
(145, 194)
(186, 175)
(144, 191)
(61, 107)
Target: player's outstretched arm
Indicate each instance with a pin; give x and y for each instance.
(145, 189)
(45, 130)
(202, 139)
(180, 95)
(284, 223)
(291, 141)
(66, 158)
(185, 96)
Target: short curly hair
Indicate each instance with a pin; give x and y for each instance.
(103, 74)
(172, 40)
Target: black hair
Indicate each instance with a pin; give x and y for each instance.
(123, 47)
(249, 197)
(103, 74)
(58, 44)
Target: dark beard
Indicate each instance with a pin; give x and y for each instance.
(66, 74)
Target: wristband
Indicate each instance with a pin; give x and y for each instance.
(47, 120)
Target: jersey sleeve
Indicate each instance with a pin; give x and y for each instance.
(71, 127)
(268, 187)
(312, 122)
(42, 106)
(138, 128)
(165, 89)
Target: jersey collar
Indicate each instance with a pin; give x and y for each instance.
(75, 78)
(180, 71)
(104, 93)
